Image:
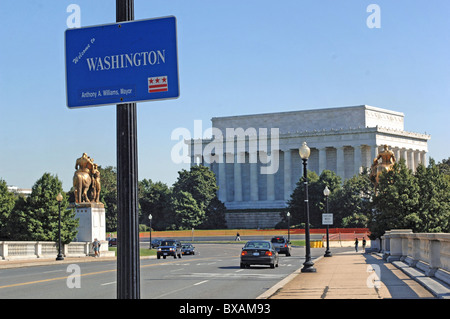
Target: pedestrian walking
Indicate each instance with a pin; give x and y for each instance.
(96, 247)
(356, 244)
(238, 237)
(364, 244)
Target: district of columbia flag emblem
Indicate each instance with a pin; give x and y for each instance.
(158, 84)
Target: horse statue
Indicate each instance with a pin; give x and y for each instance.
(387, 162)
(85, 174)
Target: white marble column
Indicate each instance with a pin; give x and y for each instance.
(397, 154)
(287, 175)
(253, 159)
(411, 165)
(416, 159)
(237, 177)
(373, 153)
(357, 163)
(405, 156)
(423, 156)
(340, 167)
(222, 179)
(271, 185)
(322, 159)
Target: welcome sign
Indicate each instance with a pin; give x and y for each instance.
(124, 62)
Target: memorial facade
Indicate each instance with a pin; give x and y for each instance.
(257, 164)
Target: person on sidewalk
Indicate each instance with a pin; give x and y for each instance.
(238, 237)
(364, 245)
(356, 244)
(96, 247)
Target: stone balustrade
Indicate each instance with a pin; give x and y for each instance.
(429, 252)
(14, 250)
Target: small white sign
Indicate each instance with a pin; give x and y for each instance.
(327, 219)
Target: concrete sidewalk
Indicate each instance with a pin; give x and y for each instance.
(352, 275)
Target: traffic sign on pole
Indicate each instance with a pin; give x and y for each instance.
(327, 219)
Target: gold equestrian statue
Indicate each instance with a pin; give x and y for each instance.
(387, 162)
(86, 177)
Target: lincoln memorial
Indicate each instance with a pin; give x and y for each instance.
(257, 164)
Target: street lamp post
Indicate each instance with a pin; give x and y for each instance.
(150, 218)
(289, 226)
(326, 192)
(308, 265)
(59, 198)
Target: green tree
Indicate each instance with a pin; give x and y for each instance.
(7, 202)
(188, 214)
(397, 202)
(296, 205)
(39, 214)
(434, 204)
(108, 196)
(200, 183)
(154, 198)
(351, 204)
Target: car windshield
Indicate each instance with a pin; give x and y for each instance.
(278, 240)
(168, 243)
(257, 245)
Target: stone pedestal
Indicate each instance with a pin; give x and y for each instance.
(92, 222)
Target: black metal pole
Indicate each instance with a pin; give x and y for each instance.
(308, 265)
(59, 257)
(289, 228)
(128, 266)
(327, 251)
(150, 233)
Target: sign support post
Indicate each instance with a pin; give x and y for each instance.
(128, 264)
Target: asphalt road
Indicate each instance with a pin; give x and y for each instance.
(212, 273)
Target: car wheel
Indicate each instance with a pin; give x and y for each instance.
(288, 254)
(242, 265)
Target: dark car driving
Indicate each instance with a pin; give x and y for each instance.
(187, 249)
(282, 245)
(169, 247)
(259, 252)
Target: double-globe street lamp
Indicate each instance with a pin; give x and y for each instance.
(308, 265)
(326, 193)
(59, 198)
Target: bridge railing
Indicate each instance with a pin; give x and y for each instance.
(13, 250)
(429, 252)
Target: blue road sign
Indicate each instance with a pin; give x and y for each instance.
(123, 62)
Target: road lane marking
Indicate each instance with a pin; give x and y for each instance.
(89, 274)
(109, 283)
(201, 282)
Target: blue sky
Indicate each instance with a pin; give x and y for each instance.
(235, 57)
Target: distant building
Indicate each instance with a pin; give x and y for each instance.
(257, 164)
(19, 191)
